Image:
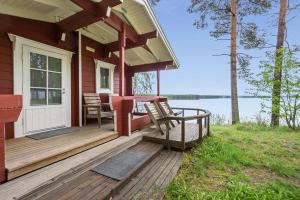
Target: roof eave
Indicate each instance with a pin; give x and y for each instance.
(160, 30)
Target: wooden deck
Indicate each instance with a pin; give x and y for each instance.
(24, 155)
(85, 184)
(150, 183)
(191, 136)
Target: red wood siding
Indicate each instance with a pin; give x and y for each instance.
(6, 75)
(88, 66)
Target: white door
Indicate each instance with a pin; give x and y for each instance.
(46, 89)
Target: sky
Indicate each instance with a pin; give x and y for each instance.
(200, 72)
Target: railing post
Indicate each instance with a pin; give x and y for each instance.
(198, 119)
(183, 134)
(208, 125)
(200, 129)
(168, 135)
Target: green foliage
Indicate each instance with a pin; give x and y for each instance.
(290, 85)
(245, 161)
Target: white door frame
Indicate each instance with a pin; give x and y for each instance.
(18, 47)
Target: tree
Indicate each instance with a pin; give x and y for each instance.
(142, 83)
(229, 18)
(263, 83)
(278, 64)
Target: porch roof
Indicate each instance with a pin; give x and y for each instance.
(136, 14)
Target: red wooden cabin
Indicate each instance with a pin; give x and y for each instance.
(51, 52)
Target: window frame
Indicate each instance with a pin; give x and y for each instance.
(98, 65)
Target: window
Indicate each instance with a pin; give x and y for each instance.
(104, 77)
(45, 80)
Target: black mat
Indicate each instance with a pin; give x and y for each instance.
(52, 133)
(121, 165)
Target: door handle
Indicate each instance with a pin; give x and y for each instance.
(63, 91)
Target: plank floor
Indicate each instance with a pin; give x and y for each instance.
(85, 184)
(24, 155)
(152, 180)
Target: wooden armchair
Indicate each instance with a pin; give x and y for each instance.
(167, 111)
(156, 116)
(92, 108)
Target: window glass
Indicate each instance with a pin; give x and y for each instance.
(54, 80)
(54, 64)
(54, 97)
(38, 61)
(45, 80)
(38, 97)
(38, 78)
(104, 78)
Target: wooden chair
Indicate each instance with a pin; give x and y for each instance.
(167, 111)
(92, 108)
(156, 116)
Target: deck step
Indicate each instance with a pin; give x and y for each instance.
(86, 184)
(51, 176)
(36, 162)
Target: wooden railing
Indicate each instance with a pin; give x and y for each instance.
(183, 119)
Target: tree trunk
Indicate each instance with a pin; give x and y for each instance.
(278, 64)
(233, 62)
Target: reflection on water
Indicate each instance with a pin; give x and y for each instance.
(249, 107)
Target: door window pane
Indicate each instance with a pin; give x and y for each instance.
(38, 97)
(54, 80)
(54, 97)
(54, 64)
(104, 77)
(38, 78)
(38, 61)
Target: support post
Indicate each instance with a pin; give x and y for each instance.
(158, 82)
(122, 44)
(80, 77)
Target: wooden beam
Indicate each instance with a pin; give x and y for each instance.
(122, 44)
(91, 13)
(142, 42)
(116, 23)
(151, 67)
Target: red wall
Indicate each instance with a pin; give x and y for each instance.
(88, 66)
(6, 74)
(43, 32)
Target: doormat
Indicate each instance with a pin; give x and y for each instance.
(52, 133)
(121, 165)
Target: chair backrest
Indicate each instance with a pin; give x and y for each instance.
(92, 99)
(153, 111)
(165, 108)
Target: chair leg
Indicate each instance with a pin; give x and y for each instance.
(99, 117)
(84, 116)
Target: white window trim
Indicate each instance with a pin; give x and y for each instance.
(100, 64)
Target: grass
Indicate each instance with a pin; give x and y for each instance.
(245, 161)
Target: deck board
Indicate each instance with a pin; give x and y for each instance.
(151, 182)
(88, 185)
(24, 154)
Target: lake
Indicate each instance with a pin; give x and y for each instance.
(249, 107)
